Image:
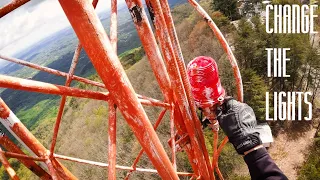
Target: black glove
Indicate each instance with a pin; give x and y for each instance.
(238, 121)
(205, 123)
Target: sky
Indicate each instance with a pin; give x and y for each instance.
(32, 22)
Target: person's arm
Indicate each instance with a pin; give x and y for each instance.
(238, 121)
(261, 166)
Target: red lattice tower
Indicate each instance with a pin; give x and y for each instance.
(168, 69)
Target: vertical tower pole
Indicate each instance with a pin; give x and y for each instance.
(19, 131)
(96, 43)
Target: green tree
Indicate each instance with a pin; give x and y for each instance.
(311, 168)
(255, 92)
(222, 22)
(244, 44)
(227, 7)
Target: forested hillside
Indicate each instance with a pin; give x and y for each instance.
(83, 131)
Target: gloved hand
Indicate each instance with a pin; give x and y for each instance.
(238, 121)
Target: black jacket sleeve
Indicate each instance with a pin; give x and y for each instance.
(262, 167)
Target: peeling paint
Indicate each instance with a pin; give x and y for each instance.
(102, 53)
(4, 111)
(11, 120)
(11, 6)
(151, 11)
(136, 13)
(10, 146)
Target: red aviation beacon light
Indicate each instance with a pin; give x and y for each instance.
(205, 82)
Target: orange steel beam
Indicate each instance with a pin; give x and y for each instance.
(112, 141)
(12, 147)
(231, 58)
(150, 46)
(7, 122)
(47, 88)
(11, 6)
(135, 162)
(64, 98)
(193, 130)
(14, 125)
(96, 43)
(215, 155)
(154, 56)
(225, 46)
(144, 100)
(7, 166)
(188, 148)
(183, 72)
(21, 156)
(223, 143)
(174, 51)
(72, 69)
(52, 170)
(114, 24)
(154, 103)
(173, 141)
(51, 71)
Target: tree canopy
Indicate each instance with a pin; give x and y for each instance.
(227, 7)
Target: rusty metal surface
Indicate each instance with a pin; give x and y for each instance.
(179, 89)
(72, 69)
(135, 162)
(50, 70)
(169, 70)
(98, 47)
(14, 4)
(47, 88)
(114, 25)
(7, 167)
(112, 141)
(150, 46)
(183, 73)
(64, 98)
(14, 125)
(13, 148)
(173, 140)
(144, 100)
(52, 170)
(215, 155)
(22, 156)
(153, 53)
